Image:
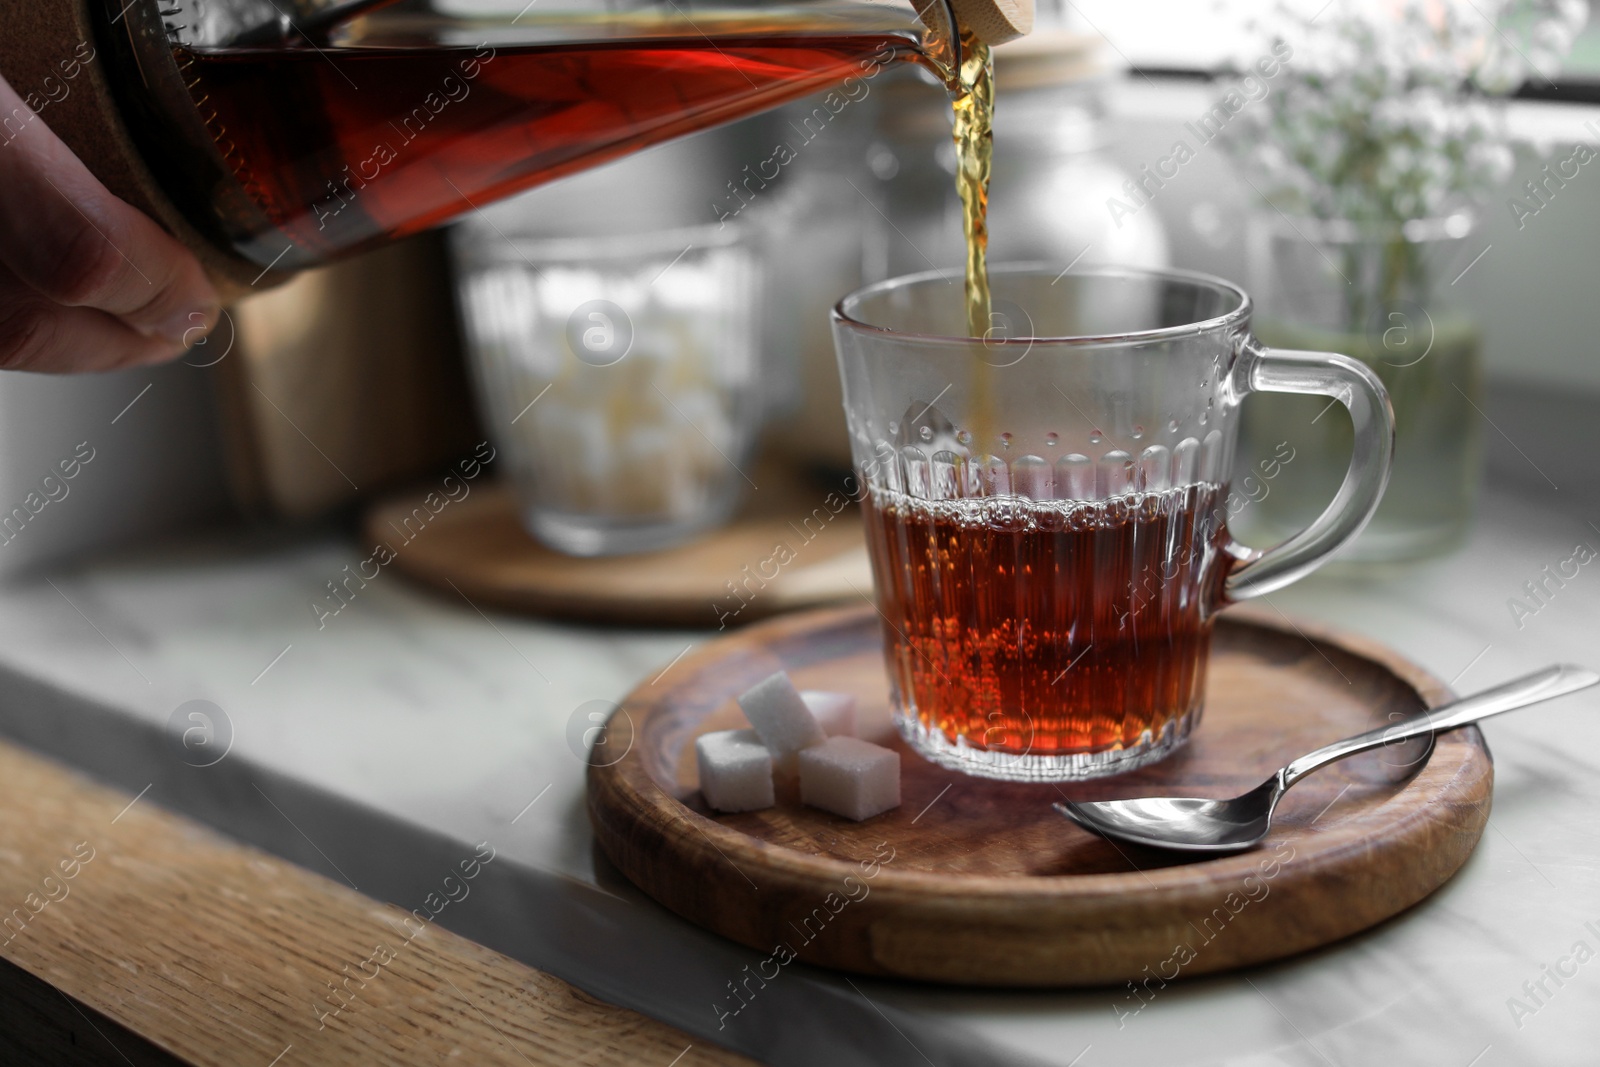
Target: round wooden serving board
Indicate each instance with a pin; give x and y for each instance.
(795, 544)
(981, 882)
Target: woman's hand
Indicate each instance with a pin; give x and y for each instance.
(87, 282)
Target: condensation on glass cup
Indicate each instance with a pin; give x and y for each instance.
(618, 376)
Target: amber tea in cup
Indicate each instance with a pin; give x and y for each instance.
(1045, 505)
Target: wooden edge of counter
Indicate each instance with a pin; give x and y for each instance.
(129, 935)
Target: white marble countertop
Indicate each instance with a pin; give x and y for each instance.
(380, 748)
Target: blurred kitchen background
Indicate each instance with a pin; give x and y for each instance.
(352, 379)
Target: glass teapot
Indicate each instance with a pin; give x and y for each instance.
(288, 134)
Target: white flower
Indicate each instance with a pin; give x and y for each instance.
(1379, 114)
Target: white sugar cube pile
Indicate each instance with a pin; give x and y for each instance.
(735, 770)
(850, 777)
(835, 712)
(780, 716)
(812, 732)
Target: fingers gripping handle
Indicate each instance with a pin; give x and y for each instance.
(1275, 370)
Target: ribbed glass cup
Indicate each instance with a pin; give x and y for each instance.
(1046, 506)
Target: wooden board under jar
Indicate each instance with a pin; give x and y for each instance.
(796, 543)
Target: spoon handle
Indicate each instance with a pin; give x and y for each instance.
(1532, 688)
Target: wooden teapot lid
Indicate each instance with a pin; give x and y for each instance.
(991, 21)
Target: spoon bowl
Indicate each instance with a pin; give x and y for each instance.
(1209, 825)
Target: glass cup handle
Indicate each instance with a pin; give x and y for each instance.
(1260, 369)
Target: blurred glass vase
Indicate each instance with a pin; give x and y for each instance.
(617, 376)
(1380, 293)
(1374, 137)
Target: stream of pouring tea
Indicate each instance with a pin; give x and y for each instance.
(974, 137)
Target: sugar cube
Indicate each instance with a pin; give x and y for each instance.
(850, 777)
(735, 770)
(785, 724)
(835, 712)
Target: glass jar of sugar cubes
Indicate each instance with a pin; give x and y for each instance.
(617, 375)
